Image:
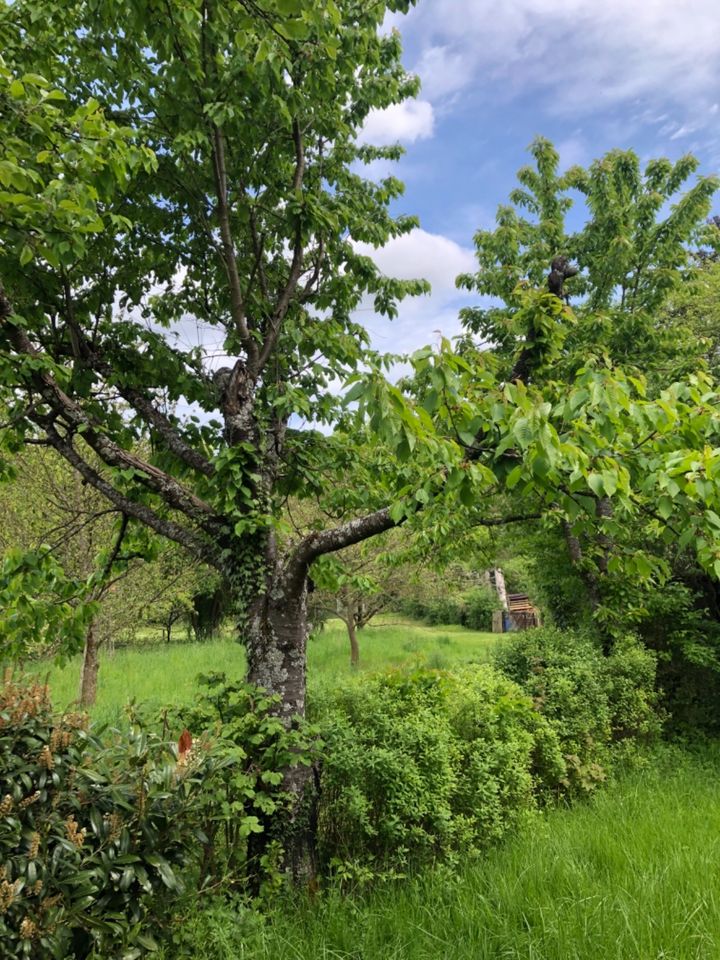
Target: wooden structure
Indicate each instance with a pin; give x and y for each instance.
(522, 613)
(517, 611)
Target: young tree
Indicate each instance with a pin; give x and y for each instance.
(357, 586)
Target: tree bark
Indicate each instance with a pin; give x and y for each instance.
(276, 640)
(90, 667)
(276, 644)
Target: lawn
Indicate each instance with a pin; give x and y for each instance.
(161, 674)
(631, 875)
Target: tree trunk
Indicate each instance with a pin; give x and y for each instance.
(276, 647)
(604, 511)
(90, 667)
(576, 556)
(354, 646)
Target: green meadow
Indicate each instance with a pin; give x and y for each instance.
(159, 674)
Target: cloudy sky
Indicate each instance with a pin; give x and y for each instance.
(589, 74)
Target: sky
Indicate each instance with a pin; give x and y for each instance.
(590, 75)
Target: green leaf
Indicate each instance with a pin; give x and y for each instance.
(665, 507)
(514, 477)
(596, 484)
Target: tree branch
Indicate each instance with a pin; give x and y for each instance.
(503, 521)
(174, 494)
(297, 258)
(156, 419)
(167, 528)
(116, 547)
(319, 543)
(237, 305)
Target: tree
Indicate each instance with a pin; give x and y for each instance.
(637, 276)
(355, 587)
(202, 163)
(112, 577)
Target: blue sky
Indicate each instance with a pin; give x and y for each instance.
(589, 74)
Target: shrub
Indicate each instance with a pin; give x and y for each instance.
(444, 610)
(479, 607)
(99, 829)
(590, 700)
(674, 621)
(434, 611)
(92, 833)
(427, 765)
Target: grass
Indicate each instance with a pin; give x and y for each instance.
(631, 875)
(162, 674)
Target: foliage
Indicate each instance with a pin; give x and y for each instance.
(591, 701)
(632, 311)
(633, 252)
(642, 846)
(480, 604)
(45, 610)
(74, 572)
(694, 308)
(427, 765)
(534, 557)
(472, 608)
(680, 623)
(100, 830)
(201, 204)
(94, 833)
(245, 791)
(242, 211)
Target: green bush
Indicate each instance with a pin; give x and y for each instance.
(100, 830)
(444, 610)
(675, 622)
(93, 833)
(472, 609)
(428, 765)
(434, 611)
(590, 700)
(480, 605)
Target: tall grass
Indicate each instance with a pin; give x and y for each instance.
(632, 875)
(163, 674)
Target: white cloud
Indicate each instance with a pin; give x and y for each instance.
(422, 254)
(430, 256)
(586, 54)
(573, 150)
(402, 122)
(443, 70)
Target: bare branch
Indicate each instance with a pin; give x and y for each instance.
(297, 259)
(237, 305)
